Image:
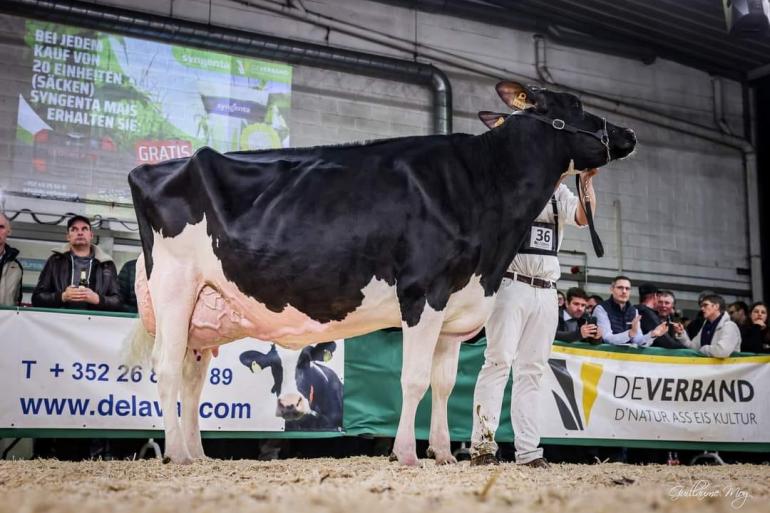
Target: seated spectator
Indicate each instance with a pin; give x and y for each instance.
(10, 268)
(619, 321)
(592, 302)
(580, 326)
(126, 280)
(81, 276)
(648, 297)
(757, 339)
(719, 337)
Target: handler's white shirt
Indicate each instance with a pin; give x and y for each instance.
(543, 266)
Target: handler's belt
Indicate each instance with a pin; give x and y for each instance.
(529, 280)
(542, 238)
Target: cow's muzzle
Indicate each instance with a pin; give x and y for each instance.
(293, 407)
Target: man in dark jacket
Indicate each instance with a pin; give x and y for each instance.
(648, 302)
(82, 276)
(10, 268)
(580, 326)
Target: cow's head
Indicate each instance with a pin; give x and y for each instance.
(292, 376)
(592, 141)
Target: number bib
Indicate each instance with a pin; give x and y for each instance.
(543, 238)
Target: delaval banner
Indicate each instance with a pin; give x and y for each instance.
(632, 396)
(64, 370)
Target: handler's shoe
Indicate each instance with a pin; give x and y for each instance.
(484, 459)
(537, 463)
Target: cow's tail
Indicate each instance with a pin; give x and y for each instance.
(138, 344)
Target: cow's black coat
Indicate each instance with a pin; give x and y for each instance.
(311, 227)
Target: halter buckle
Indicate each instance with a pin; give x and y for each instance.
(558, 124)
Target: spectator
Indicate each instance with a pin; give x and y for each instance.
(580, 326)
(81, 276)
(757, 338)
(718, 337)
(592, 302)
(739, 314)
(696, 324)
(560, 299)
(10, 268)
(648, 297)
(126, 280)
(666, 305)
(619, 321)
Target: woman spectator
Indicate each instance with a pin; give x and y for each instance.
(758, 335)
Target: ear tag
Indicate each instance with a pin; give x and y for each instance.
(520, 101)
(327, 355)
(499, 122)
(254, 366)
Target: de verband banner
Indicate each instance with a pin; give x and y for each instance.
(65, 371)
(633, 396)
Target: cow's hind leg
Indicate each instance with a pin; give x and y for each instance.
(442, 381)
(173, 296)
(196, 365)
(419, 343)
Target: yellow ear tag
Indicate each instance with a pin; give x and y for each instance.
(520, 101)
(327, 355)
(499, 122)
(254, 366)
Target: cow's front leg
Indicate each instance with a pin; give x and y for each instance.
(419, 343)
(442, 381)
(196, 364)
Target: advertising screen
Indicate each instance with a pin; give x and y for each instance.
(93, 105)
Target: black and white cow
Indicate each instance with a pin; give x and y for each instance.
(309, 394)
(307, 245)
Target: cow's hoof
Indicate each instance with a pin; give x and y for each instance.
(184, 460)
(409, 460)
(441, 457)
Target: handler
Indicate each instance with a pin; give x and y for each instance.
(521, 329)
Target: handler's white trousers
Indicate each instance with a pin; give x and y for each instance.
(520, 332)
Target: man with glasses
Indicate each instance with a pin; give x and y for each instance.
(719, 337)
(619, 321)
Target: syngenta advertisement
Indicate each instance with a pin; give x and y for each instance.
(95, 105)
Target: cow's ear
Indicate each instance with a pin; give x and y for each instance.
(515, 95)
(492, 119)
(252, 359)
(323, 352)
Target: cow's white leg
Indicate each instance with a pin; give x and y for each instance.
(442, 381)
(173, 295)
(419, 344)
(196, 364)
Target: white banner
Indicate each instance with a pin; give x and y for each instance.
(63, 370)
(635, 396)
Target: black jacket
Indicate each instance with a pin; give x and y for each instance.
(126, 280)
(650, 320)
(57, 276)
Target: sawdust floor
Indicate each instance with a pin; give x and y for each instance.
(373, 485)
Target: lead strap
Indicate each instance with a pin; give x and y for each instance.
(586, 202)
